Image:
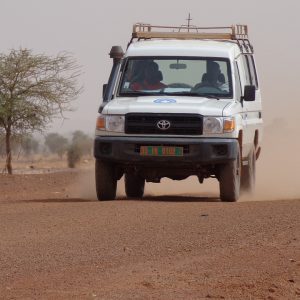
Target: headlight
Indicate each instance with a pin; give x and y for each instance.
(115, 123)
(111, 123)
(215, 125)
(212, 125)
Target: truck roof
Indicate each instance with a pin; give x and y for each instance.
(189, 48)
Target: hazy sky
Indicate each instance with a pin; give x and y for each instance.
(89, 28)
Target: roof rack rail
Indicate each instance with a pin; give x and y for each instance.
(236, 33)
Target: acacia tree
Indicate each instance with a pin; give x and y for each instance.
(83, 141)
(29, 145)
(34, 88)
(81, 145)
(56, 143)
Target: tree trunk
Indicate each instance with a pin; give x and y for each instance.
(8, 165)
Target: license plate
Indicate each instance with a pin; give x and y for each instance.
(161, 151)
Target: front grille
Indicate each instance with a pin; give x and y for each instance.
(180, 124)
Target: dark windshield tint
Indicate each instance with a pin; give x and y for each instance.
(176, 76)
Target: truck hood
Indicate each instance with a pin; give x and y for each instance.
(149, 104)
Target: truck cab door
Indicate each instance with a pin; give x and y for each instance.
(251, 109)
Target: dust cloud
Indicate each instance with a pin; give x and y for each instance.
(279, 165)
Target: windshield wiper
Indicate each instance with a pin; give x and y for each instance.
(180, 94)
(209, 96)
(192, 94)
(135, 94)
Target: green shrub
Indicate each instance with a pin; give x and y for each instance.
(74, 155)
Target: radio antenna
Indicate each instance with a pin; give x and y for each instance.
(189, 22)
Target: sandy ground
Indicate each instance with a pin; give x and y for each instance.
(58, 242)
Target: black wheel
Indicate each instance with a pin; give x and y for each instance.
(248, 174)
(106, 182)
(230, 180)
(134, 186)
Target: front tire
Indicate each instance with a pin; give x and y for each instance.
(134, 186)
(230, 180)
(106, 182)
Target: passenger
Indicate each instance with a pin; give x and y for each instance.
(135, 72)
(152, 79)
(138, 71)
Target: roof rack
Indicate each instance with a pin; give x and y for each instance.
(236, 33)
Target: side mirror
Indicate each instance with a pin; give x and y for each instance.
(249, 93)
(104, 88)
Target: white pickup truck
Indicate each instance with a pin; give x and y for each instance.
(181, 101)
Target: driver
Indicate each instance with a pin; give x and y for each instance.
(211, 78)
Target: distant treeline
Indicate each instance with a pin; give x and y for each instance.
(74, 147)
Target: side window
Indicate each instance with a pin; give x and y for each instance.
(247, 71)
(238, 85)
(252, 70)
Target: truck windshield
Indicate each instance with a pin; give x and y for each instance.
(201, 76)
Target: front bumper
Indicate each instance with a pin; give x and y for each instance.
(204, 151)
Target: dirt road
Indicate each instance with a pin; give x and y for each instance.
(56, 246)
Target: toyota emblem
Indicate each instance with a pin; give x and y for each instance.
(163, 124)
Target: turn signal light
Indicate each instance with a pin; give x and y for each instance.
(229, 125)
(100, 124)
